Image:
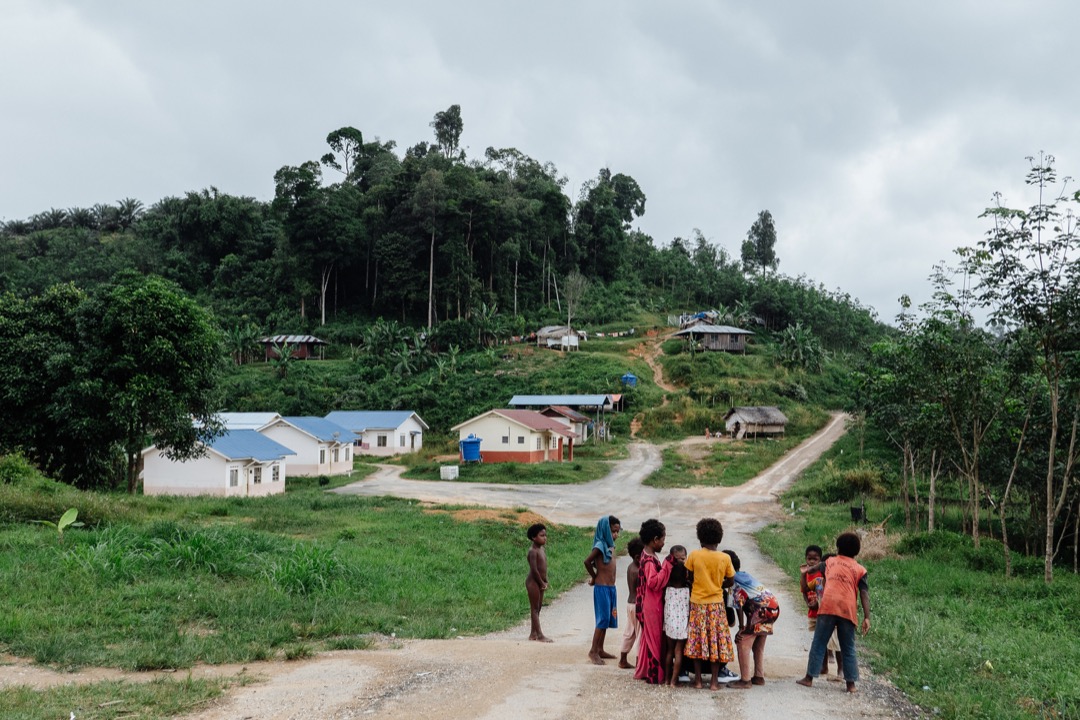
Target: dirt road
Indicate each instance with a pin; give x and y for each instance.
(504, 676)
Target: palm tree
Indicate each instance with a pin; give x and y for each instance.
(128, 211)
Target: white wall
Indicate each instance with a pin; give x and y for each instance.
(208, 475)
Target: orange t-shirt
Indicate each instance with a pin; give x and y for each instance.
(710, 568)
(841, 596)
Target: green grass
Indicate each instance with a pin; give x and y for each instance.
(591, 462)
(185, 581)
(948, 628)
(733, 463)
(111, 699)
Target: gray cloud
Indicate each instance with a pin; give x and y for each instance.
(874, 134)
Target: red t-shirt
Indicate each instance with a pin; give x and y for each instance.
(841, 596)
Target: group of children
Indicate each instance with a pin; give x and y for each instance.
(683, 606)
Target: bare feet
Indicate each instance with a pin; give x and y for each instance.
(834, 678)
(806, 681)
(697, 683)
(625, 665)
(595, 659)
(716, 686)
(606, 655)
(740, 685)
(851, 687)
(541, 638)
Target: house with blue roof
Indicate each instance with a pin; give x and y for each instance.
(322, 447)
(383, 432)
(240, 463)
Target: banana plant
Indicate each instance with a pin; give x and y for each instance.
(68, 519)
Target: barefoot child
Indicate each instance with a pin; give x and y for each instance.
(757, 610)
(652, 579)
(600, 564)
(633, 550)
(811, 582)
(676, 615)
(844, 580)
(536, 582)
(708, 636)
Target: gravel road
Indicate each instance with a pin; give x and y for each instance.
(503, 675)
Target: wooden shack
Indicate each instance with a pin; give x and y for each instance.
(755, 421)
(716, 337)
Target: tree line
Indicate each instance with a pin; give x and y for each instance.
(997, 407)
(423, 237)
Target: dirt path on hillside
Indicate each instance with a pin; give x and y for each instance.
(650, 351)
(503, 675)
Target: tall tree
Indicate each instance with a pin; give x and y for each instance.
(1030, 277)
(759, 248)
(448, 126)
(152, 363)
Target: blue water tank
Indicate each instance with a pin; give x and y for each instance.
(470, 449)
(629, 379)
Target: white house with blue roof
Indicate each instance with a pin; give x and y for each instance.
(383, 432)
(240, 463)
(322, 447)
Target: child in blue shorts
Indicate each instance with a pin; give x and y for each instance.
(600, 564)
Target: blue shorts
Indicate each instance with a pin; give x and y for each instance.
(606, 607)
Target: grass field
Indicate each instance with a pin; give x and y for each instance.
(239, 580)
(948, 628)
(591, 462)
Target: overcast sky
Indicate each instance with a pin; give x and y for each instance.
(875, 133)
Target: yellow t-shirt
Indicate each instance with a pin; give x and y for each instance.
(710, 567)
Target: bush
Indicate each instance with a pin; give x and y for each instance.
(17, 470)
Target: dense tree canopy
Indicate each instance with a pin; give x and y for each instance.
(93, 378)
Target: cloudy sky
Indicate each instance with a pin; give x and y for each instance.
(875, 133)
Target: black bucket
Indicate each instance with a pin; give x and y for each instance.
(857, 514)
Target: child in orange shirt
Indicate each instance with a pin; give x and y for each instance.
(845, 580)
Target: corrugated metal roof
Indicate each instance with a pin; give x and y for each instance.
(570, 400)
(292, 340)
(760, 415)
(248, 444)
(247, 420)
(321, 428)
(364, 420)
(706, 329)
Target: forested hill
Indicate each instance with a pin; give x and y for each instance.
(421, 237)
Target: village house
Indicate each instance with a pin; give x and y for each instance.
(523, 436)
(240, 463)
(716, 337)
(382, 432)
(559, 337)
(754, 421)
(322, 447)
(572, 419)
(302, 347)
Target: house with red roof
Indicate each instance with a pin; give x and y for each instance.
(522, 436)
(570, 418)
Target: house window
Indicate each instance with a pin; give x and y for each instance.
(257, 479)
(382, 441)
(346, 454)
(538, 445)
(521, 439)
(401, 441)
(336, 454)
(234, 477)
(322, 456)
(505, 439)
(275, 473)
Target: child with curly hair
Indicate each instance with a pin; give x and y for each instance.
(708, 634)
